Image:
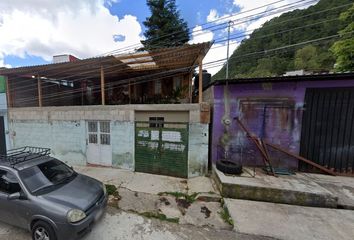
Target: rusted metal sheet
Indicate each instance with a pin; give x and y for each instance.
(272, 119)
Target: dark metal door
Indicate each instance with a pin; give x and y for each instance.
(2, 136)
(162, 148)
(327, 136)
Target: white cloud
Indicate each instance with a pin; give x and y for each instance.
(45, 28)
(213, 15)
(199, 35)
(217, 52)
(243, 21)
(251, 10)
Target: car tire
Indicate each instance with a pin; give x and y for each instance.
(228, 167)
(41, 228)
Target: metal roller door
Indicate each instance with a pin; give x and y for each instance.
(327, 136)
(161, 148)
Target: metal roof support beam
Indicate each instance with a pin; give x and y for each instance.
(200, 90)
(39, 85)
(102, 87)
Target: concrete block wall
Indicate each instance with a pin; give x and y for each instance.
(122, 138)
(64, 130)
(67, 139)
(198, 149)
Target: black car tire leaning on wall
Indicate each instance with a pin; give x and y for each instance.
(228, 167)
(44, 228)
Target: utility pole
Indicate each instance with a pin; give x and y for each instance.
(228, 46)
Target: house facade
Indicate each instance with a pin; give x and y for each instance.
(311, 116)
(122, 136)
(131, 111)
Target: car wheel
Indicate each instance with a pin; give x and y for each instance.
(43, 231)
(228, 167)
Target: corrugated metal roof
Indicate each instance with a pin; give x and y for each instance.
(298, 78)
(161, 59)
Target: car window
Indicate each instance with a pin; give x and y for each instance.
(8, 183)
(46, 175)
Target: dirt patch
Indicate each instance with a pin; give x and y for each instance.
(206, 211)
(183, 203)
(165, 201)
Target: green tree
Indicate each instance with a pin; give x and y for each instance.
(344, 48)
(306, 58)
(318, 21)
(165, 27)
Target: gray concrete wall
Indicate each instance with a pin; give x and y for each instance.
(198, 149)
(168, 116)
(63, 129)
(3, 112)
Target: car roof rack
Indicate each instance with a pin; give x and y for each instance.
(24, 154)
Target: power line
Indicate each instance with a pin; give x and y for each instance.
(203, 24)
(124, 81)
(214, 47)
(232, 15)
(124, 63)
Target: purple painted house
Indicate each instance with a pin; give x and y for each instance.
(309, 115)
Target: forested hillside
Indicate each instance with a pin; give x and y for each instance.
(278, 46)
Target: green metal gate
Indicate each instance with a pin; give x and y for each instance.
(161, 148)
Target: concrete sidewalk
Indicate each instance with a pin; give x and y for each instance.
(120, 225)
(148, 183)
(174, 199)
(304, 189)
(290, 222)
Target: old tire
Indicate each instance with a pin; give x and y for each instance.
(228, 167)
(42, 230)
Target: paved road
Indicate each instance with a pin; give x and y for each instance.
(119, 225)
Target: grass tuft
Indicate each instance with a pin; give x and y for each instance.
(160, 216)
(225, 215)
(179, 195)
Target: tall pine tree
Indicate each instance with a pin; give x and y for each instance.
(165, 27)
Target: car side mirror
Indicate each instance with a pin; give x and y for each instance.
(17, 195)
(14, 196)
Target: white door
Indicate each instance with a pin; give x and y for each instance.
(99, 148)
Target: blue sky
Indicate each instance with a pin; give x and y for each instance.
(32, 31)
(194, 12)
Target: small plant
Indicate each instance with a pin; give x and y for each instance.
(112, 190)
(159, 216)
(179, 195)
(225, 215)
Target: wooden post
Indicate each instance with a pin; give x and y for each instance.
(190, 83)
(200, 90)
(8, 93)
(102, 87)
(39, 85)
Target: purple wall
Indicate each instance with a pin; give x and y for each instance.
(272, 111)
